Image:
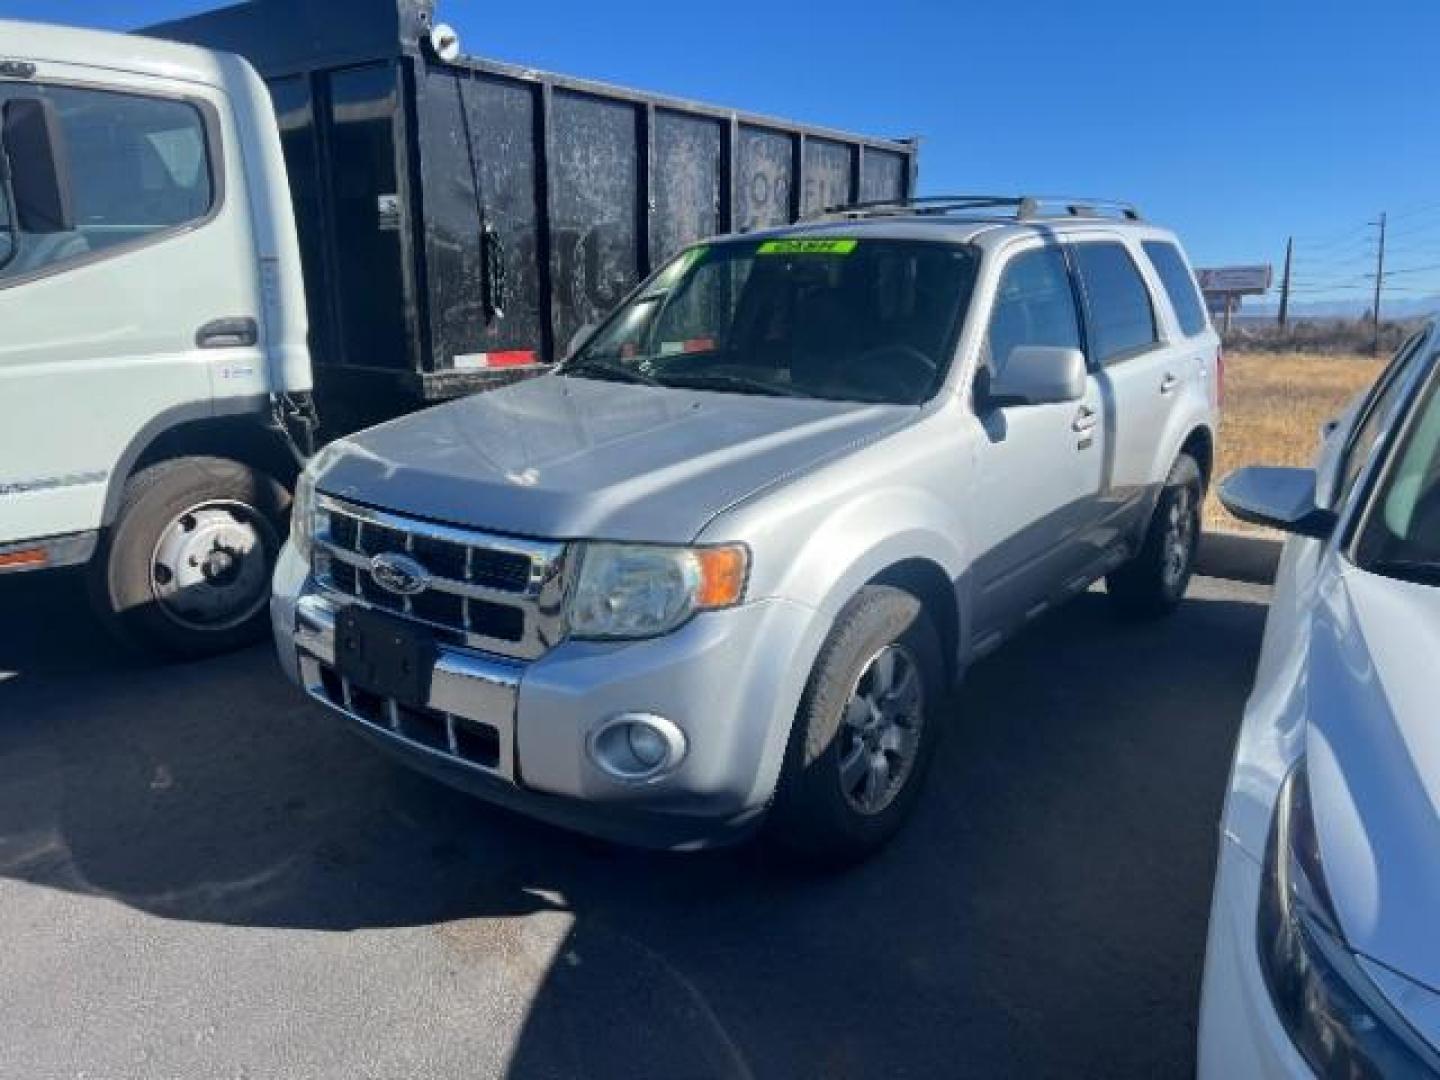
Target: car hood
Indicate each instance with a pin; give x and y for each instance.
(1373, 755)
(567, 458)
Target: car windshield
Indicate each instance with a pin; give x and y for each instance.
(841, 319)
(1401, 536)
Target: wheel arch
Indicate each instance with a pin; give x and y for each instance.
(1200, 445)
(194, 431)
(927, 581)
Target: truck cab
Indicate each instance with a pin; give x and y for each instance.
(154, 367)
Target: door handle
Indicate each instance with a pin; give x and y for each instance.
(1085, 420)
(227, 334)
(1169, 383)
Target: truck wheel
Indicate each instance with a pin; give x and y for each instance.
(865, 731)
(185, 570)
(1154, 582)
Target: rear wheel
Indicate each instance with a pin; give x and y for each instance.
(185, 571)
(865, 730)
(1154, 582)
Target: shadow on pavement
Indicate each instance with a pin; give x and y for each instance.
(1044, 913)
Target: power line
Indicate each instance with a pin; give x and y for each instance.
(1409, 270)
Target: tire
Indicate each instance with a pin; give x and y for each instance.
(818, 811)
(185, 570)
(1153, 583)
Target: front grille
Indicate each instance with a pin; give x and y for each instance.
(487, 592)
(453, 736)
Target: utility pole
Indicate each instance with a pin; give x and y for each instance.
(1285, 285)
(1379, 280)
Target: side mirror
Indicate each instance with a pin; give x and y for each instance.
(1039, 375)
(581, 336)
(1278, 498)
(34, 146)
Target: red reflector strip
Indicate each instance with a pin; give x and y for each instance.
(24, 560)
(703, 344)
(516, 358)
(486, 360)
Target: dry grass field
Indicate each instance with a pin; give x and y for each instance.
(1274, 406)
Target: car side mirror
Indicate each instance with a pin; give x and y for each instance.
(33, 143)
(581, 336)
(1278, 498)
(1038, 375)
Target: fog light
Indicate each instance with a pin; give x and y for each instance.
(647, 744)
(637, 747)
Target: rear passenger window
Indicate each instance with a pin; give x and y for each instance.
(1034, 305)
(1120, 317)
(1179, 285)
(139, 166)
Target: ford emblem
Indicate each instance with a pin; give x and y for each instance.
(399, 574)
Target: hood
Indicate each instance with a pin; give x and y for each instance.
(1373, 754)
(563, 458)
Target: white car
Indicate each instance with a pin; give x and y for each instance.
(1324, 950)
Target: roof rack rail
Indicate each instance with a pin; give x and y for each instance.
(1005, 207)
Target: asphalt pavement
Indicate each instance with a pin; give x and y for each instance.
(203, 875)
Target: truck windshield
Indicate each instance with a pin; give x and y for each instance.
(1401, 537)
(840, 319)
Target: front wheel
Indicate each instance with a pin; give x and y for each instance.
(865, 730)
(1154, 582)
(185, 570)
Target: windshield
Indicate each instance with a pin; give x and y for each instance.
(1401, 536)
(845, 320)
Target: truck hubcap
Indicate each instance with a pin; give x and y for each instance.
(211, 567)
(880, 730)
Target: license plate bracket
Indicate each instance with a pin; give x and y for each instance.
(384, 655)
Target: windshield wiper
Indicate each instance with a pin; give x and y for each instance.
(1420, 573)
(740, 384)
(604, 369)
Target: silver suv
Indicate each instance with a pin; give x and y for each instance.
(723, 565)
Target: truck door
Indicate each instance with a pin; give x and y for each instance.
(1039, 467)
(105, 321)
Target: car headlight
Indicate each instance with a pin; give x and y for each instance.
(627, 591)
(302, 514)
(1338, 1019)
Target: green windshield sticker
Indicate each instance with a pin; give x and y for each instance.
(808, 247)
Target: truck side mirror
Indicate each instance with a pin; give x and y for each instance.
(1038, 375)
(1277, 498)
(34, 146)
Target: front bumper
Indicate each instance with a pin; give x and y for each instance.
(731, 681)
(1240, 1032)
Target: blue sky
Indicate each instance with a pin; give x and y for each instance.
(1234, 121)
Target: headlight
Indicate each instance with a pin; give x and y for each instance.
(1339, 1021)
(302, 514)
(639, 591)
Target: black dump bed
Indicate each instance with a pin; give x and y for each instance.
(461, 221)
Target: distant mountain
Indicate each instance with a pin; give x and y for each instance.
(1394, 308)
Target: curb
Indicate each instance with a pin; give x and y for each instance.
(1238, 556)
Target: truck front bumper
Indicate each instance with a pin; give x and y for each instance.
(520, 734)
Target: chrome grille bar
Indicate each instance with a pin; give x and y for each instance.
(485, 612)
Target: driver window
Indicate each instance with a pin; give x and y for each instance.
(139, 167)
(1034, 305)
